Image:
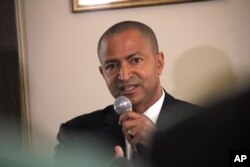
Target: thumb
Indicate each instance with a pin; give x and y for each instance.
(118, 152)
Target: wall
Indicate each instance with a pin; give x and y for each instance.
(206, 46)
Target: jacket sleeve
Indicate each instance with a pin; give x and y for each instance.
(78, 148)
(64, 149)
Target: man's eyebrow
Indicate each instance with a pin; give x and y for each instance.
(133, 54)
(110, 61)
(127, 57)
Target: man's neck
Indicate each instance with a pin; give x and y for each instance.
(141, 108)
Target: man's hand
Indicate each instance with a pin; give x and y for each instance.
(137, 128)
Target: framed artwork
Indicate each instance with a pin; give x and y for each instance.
(90, 5)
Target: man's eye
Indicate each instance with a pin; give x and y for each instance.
(111, 66)
(136, 60)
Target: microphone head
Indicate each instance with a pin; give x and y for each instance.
(122, 104)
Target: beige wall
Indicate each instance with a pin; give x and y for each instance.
(206, 46)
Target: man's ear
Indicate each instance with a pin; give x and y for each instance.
(160, 60)
(101, 70)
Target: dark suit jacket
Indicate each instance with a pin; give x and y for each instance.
(97, 133)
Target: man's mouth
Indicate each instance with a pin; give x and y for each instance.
(128, 89)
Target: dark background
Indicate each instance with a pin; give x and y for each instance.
(10, 108)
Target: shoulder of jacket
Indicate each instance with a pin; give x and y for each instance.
(89, 116)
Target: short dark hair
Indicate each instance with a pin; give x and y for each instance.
(147, 32)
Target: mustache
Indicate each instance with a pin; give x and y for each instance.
(132, 81)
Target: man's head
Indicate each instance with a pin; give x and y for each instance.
(131, 63)
(146, 31)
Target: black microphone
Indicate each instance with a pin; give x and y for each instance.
(122, 104)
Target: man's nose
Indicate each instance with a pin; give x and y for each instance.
(125, 72)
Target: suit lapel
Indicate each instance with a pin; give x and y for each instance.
(167, 111)
(174, 111)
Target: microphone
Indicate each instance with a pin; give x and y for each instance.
(122, 104)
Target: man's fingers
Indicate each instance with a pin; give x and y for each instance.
(130, 120)
(118, 152)
(127, 135)
(130, 132)
(137, 128)
(128, 115)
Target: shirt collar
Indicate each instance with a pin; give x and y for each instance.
(153, 112)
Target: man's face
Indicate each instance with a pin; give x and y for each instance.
(130, 68)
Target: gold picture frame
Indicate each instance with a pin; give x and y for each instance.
(79, 6)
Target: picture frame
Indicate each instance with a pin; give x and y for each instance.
(84, 6)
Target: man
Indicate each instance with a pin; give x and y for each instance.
(131, 65)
